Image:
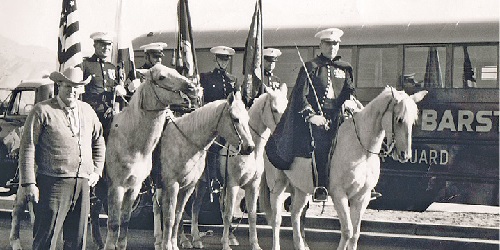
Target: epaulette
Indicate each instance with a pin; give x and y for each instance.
(342, 64)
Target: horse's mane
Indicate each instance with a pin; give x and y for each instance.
(408, 111)
(258, 104)
(194, 120)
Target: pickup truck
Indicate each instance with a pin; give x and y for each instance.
(13, 113)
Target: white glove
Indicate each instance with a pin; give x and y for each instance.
(133, 85)
(120, 90)
(352, 106)
(317, 120)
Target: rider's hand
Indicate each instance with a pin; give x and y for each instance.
(31, 193)
(134, 85)
(93, 179)
(120, 90)
(317, 120)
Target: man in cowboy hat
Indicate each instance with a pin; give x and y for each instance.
(315, 111)
(100, 92)
(270, 79)
(63, 138)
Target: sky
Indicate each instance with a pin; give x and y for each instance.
(35, 22)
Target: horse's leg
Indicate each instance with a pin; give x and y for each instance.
(299, 200)
(341, 205)
(251, 194)
(182, 198)
(115, 198)
(303, 223)
(126, 212)
(17, 210)
(358, 208)
(200, 191)
(169, 203)
(157, 218)
(229, 198)
(276, 199)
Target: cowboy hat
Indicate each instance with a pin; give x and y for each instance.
(72, 76)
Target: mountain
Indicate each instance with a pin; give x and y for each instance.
(19, 62)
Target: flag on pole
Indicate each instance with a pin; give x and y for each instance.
(433, 76)
(185, 55)
(252, 59)
(468, 77)
(123, 53)
(69, 51)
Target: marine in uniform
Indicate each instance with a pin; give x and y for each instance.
(153, 53)
(310, 124)
(100, 92)
(270, 79)
(217, 85)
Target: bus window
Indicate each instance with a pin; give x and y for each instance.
(475, 66)
(426, 64)
(377, 67)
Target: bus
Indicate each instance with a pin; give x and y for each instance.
(456, 139)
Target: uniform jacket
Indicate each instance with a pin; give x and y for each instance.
(49, 143)
(292, 137)
(217, 85)
(104, 77)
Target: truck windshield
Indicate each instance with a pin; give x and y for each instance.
(23, 103)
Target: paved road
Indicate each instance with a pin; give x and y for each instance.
(317, 239)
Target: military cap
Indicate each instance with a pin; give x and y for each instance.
(222, 51)
(330, 35)
(271, 54)
(154, 48)
(73, 76)
(104, 37)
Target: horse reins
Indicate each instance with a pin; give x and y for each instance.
(389, 146)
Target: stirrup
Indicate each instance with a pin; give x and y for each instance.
(374, 195)
(320, 194)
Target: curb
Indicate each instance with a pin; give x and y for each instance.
(391, 227)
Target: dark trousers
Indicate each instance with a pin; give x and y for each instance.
(64, 205)
(323, 142)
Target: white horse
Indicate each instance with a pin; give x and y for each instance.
(245, 171)
(354, 166)
(184, 146)
(134, 133)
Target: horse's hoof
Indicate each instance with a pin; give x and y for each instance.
(16, 245)
(233, 241)
(185, 243)
(198, 244)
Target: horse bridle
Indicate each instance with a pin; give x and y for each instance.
(389, 147)
(214, 133)
(155, 84)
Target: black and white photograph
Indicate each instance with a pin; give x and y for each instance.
(249, 124)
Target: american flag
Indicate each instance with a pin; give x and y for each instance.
(69, 52)
(252, 59)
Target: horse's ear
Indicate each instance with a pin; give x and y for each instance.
(231, 97)
(417, 97)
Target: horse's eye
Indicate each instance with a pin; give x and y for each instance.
(399, 120)
(236, 120)
(161, 78)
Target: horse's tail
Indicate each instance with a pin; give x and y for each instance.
(265, 198)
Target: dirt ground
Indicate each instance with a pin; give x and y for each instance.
(475, 219)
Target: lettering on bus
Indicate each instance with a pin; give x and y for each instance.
(428, 157)
(480, 121)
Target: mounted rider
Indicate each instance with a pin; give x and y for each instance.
(315, 111)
